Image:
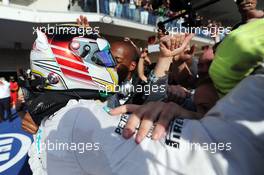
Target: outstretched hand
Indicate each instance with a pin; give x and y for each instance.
(172, 46)
(83, 21)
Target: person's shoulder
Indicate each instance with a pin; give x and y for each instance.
(237, 25)
(84, 107)
(86, 119)
(253, 25)
(76, 116)
(74, 108)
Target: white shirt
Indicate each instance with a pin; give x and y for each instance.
(132, 4)
(4, 89)
(234, 125)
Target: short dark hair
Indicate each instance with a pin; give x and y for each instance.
(239, 2)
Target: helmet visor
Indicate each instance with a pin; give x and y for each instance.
(104, 58)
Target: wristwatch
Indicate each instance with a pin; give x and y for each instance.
(152, 78)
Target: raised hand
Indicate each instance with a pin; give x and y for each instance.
(83, 21)
(172, 46)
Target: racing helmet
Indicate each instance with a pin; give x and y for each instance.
(73, 61)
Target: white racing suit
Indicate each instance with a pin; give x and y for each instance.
(83, 139)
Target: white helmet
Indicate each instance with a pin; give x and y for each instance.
(70, 62)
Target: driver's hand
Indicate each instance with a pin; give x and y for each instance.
(29, 125)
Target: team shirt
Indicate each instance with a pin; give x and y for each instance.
(228, 140)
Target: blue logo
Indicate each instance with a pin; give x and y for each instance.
(9, 154)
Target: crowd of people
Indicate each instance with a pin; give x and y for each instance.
(142, 11)
(217, 100)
